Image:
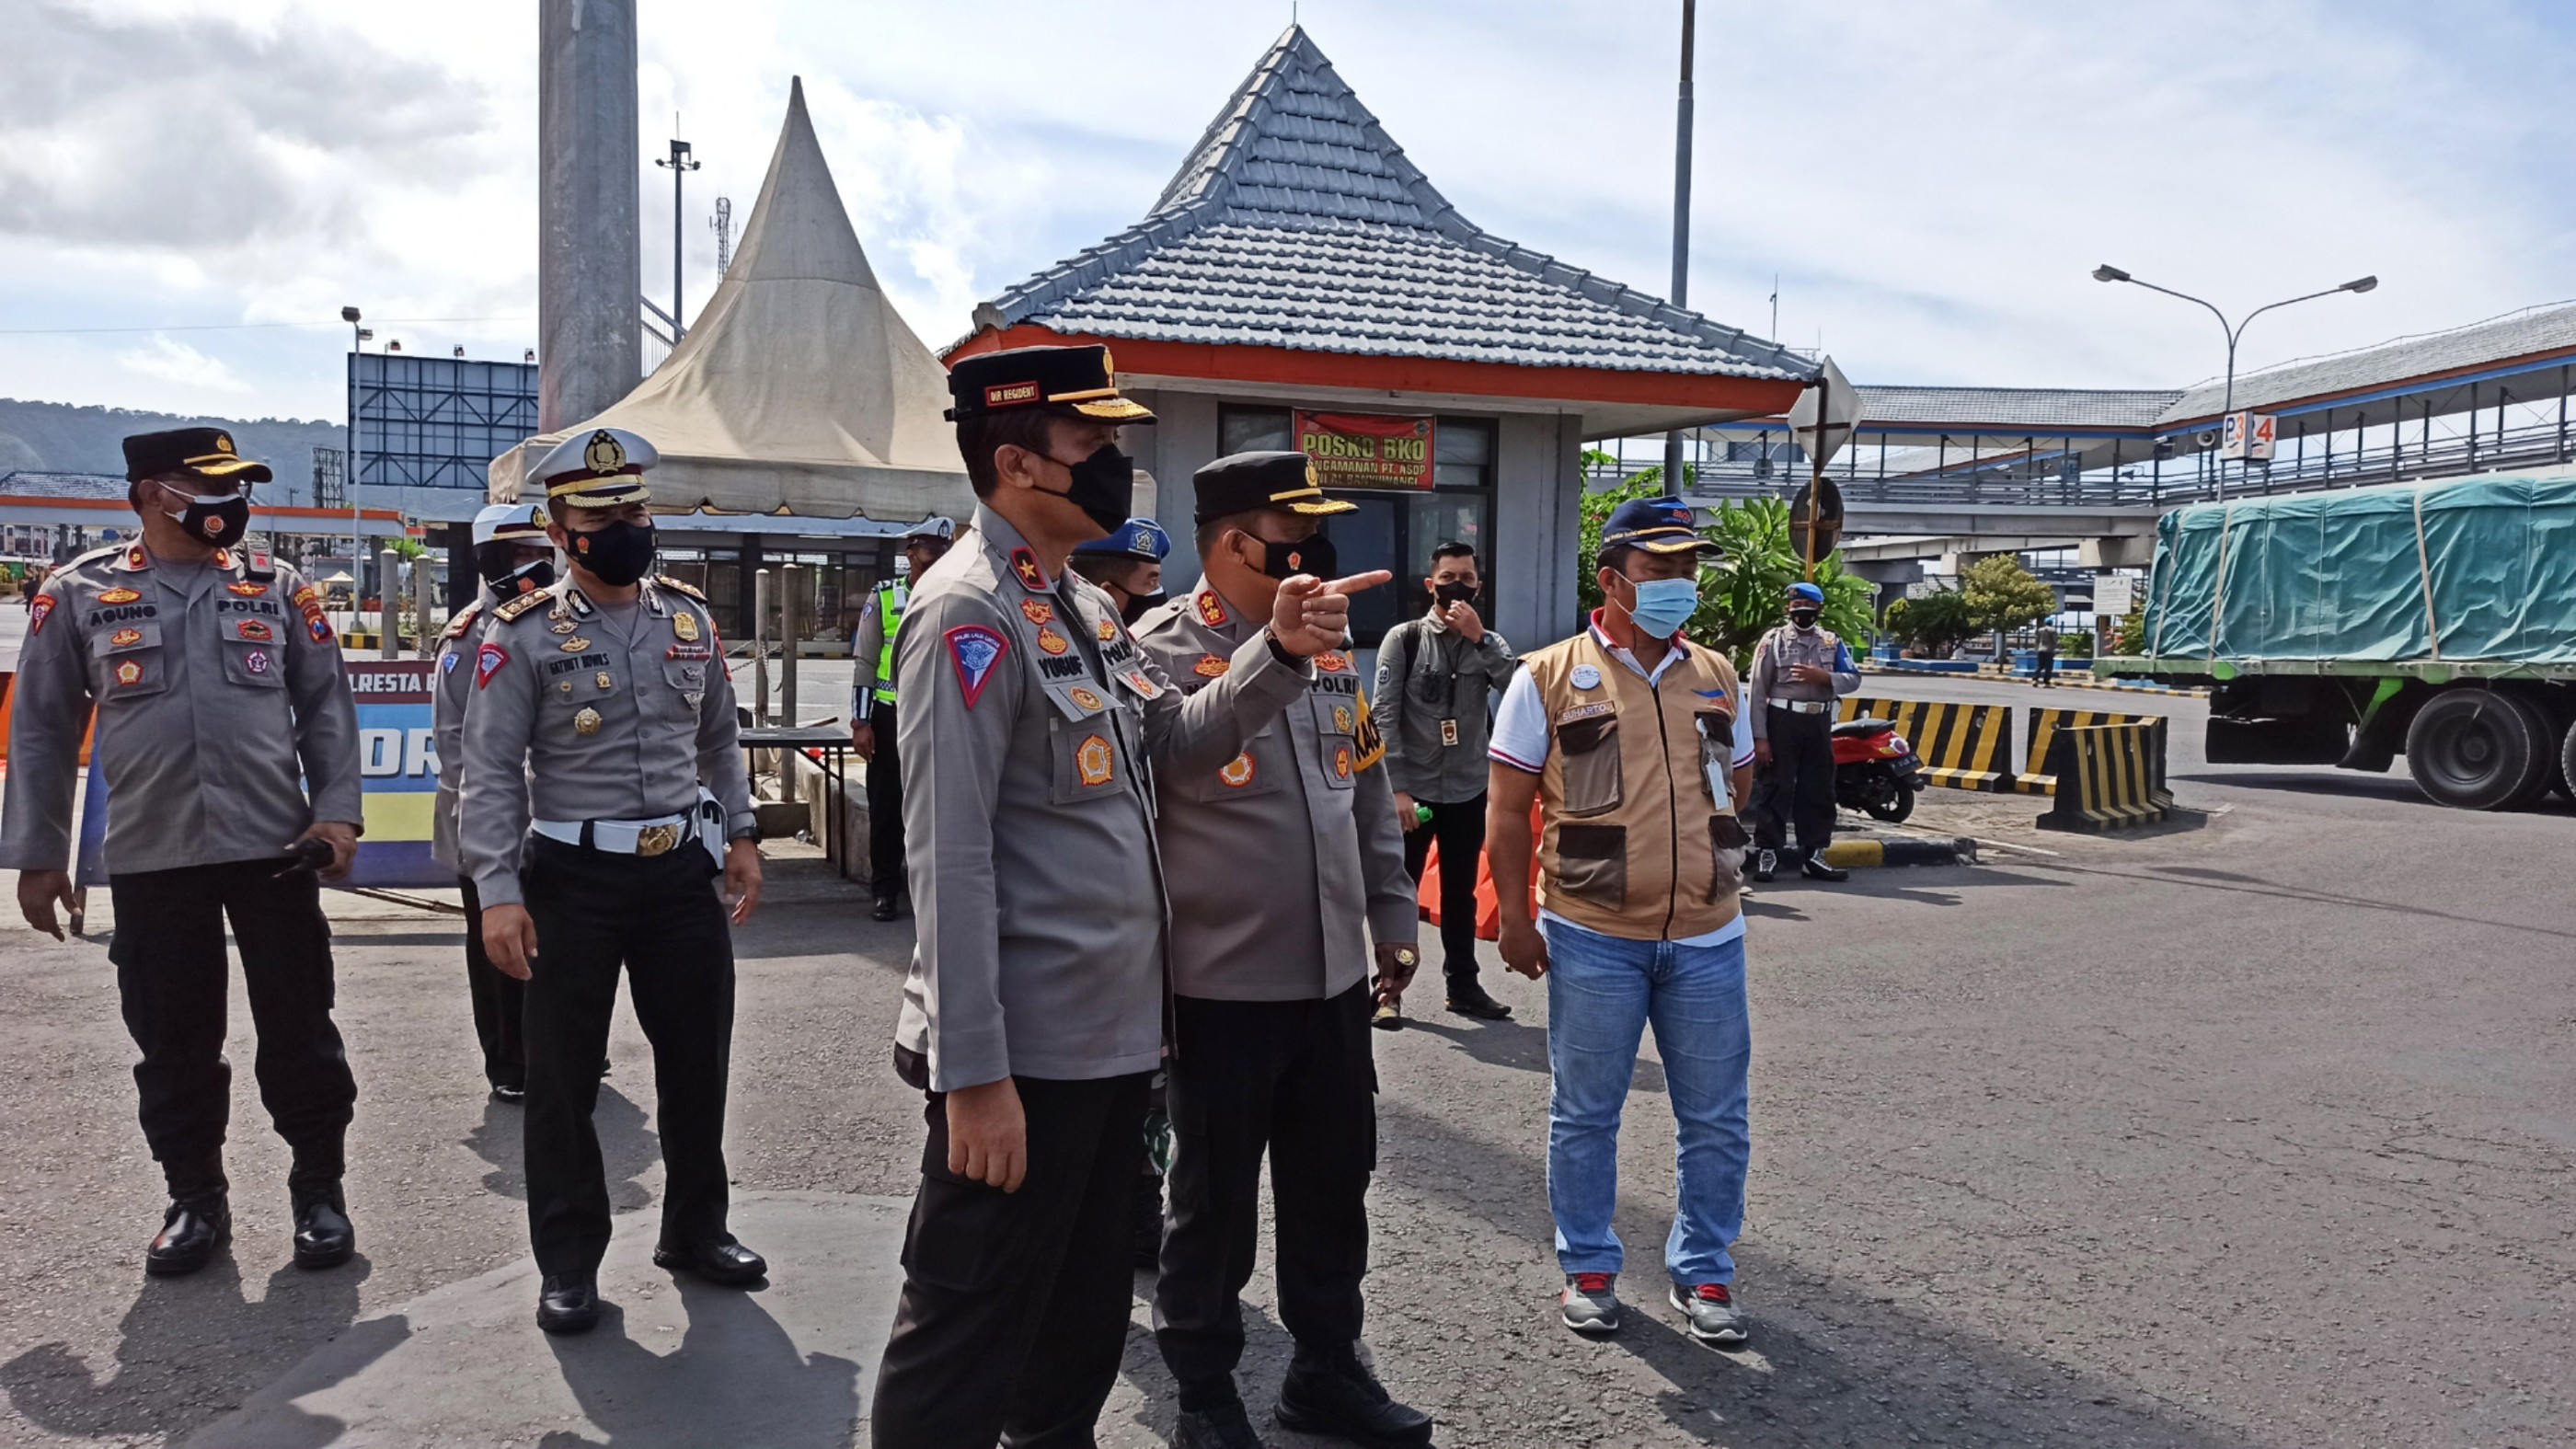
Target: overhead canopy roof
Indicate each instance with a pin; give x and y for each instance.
(800, 390)
(1298, 246)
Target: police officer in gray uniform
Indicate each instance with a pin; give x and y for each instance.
(1272, 987)
(872, 707)
(1799, 670)
(1032, 729)
(220, 702)
(514, 556)
(602, 709)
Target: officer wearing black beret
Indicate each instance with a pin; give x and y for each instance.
(226, 734)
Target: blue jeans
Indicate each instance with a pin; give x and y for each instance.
(1601, 992)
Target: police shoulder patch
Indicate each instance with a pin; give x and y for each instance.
(678, 587)
(488, 661)
(974, 649)
(510, 609)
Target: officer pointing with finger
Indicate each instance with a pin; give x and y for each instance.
(604, 800)
(220, 704)
(1033, 728)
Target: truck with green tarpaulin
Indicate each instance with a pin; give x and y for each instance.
(2435, 620)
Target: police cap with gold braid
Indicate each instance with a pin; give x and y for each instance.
(598, 468)
(1075, 379)
(1243, 482)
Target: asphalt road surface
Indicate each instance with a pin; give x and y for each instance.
(2255, 1131)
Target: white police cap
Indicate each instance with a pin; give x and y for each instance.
(598, 468)
(934, 526)
(511, 522)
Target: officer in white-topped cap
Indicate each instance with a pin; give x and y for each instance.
(872, 703)
(514, 557)
(604, 782)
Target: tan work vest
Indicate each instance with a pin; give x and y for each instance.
(1634, 844)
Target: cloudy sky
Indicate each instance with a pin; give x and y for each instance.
(191, 189)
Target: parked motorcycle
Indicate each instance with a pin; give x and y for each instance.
(1875, 770)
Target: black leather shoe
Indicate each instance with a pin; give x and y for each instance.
(1469, 999)
(568, 1304)
(1814, 868)
(1223, 1427)
(1765, 863)
(1343, 1399)
(885, 908)
(323, 1236)
(190, 1234)
(721, 1261)
(509, 1093)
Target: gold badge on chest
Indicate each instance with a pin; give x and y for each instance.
(575, 644)
(685, 624)
(586, 723)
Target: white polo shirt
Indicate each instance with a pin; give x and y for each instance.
(1523, 736)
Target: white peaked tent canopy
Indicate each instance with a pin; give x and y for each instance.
(800, 390)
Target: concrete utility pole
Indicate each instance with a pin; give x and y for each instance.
(679, 165)
(1681, 222)
(589, 254)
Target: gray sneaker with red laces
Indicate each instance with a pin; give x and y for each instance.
(1710, 1311)
(1591, 1302)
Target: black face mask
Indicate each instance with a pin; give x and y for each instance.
(1137, 604)
(1104, 487)
(617, 555)
(218, 521)
(1803, 618)
(1306, 556)
(1446, 594)
(494, 563)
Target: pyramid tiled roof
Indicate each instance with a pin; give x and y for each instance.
(1297, 223)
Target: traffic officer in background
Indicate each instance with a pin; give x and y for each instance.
(1799, 670)
(1283, 862)
(872, 698)
(220, 704)
(1033, 1015)
(1128, 566)
(602, 709)
(514, 557)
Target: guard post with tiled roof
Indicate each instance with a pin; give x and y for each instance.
(1300, 264)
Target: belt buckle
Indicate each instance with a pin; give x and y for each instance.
(656, 839)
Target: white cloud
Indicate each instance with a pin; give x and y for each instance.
(167, 360)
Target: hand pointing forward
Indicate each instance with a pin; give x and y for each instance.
(1311, 616)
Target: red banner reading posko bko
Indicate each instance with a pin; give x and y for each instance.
(1367, 450)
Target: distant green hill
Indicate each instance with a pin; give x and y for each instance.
(61, 438)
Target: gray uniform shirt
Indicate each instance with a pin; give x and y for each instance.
(661, 713)
(1443, 678)
(1032, 731)
(1285, 859)
(1769, 683)
(220, 701)
(454, 690)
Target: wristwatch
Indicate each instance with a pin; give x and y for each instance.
(1404, 956)
(1279, 651)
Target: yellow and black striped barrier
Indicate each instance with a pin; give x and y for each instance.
(2037, 776)
(2108, 777)
(1962, 746)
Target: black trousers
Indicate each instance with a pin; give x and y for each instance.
(1013, 1316)
(1798, 785)
(1460, 829)
(1295, 1078)
(170, 974)
(885, 808)
(499, 1001)
(2047, 670)
(660, 918)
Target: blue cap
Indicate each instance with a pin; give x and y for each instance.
(1138, 538)
(1657, 525)
(1808, 592)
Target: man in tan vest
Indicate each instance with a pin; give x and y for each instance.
(1633, 741)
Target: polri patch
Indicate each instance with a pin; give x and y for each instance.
(1084, 697)
(129, 674)
(1052, 642)
(1333, 661)
(254, 630)
(245, 588)
(447, 662)
(1106, 630)
(1092, 757)
(36, 613)
(1211, 667)
(1237, 772)
(119, 596)
(1037, 611)
(974, 650)
(1211, 609)
(487, 662)
(256, 661)
(318, 627)
(1025, 565)
(124, 638)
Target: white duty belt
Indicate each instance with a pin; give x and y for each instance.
(658, 836)
(1803, 706)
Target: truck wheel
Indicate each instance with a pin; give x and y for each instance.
(2475, 749)
(2566, 781)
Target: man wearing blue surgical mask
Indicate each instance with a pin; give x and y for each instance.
(1631, 741)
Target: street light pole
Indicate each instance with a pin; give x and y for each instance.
(1681, 221)
(349, 473)
(679, 164)
(2235, 333)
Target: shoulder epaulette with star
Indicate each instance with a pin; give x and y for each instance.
(525, 603)
(677, 587)
(464, 617)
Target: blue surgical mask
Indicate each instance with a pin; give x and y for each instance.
(1664, 605)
